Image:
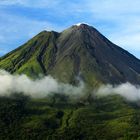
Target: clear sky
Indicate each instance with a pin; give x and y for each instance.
(118, 20)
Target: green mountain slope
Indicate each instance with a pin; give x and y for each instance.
(109, 118)
(77, 51)
(29, 58)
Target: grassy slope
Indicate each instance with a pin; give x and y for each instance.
(26, 59)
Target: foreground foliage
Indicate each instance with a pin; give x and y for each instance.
(56, 118)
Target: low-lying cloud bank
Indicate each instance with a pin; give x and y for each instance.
(40, 88)
(126, 90)
(36, 88)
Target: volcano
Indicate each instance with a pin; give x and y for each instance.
(79, 51)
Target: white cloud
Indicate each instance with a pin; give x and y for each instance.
(37, 88)
(47, 85)
(126, 90)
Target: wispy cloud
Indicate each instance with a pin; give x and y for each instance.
(30, 3)
(16, 30)
(9, 2)
(118, 20)
(123, 16)
(39, 87)
(126, 90)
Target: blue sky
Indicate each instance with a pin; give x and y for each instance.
(118, 20)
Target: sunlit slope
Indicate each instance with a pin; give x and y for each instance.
(32, 56)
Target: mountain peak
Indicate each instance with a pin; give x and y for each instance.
(82, 24)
